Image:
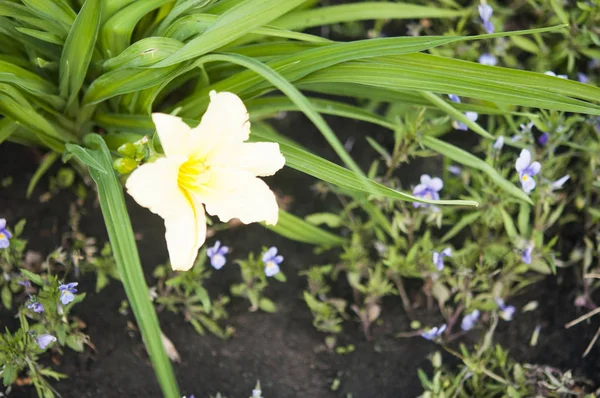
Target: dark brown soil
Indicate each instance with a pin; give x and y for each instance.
(282, 350)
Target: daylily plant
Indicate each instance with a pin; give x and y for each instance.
(206, 168)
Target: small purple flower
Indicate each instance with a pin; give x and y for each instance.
(582, 78)
(558, 184)
(256, 393)
(428, 189)
(469, 320)
(272, 261)
(5, 235)
(472, 116)
(506, 311)
(454, 98)
(24, 283)
(438, 258)
(543, 139)
(36, 307)
(455, 170)
(44, 340)
(526, 256)
(527, 170)
(550, 73)
(499, 143)
(66, 292)
(488, 59)
(485, 12)
(217, 255)
(434, 332)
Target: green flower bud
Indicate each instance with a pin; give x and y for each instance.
(125, 165)
(127, 150)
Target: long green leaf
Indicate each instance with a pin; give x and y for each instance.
(57, 10)
(362, 11)
(296, 158)
(234, 23)
(467, 159)
(115, 35)
(299, 230)
(77, 52)
(48, 161)
(120, 233)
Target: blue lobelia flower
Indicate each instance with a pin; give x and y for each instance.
(526, 256)
(217, 255)
(506, 311)
(44, 340)
(455, 170)
(434, 332)
(582, 78)
(558, 184)
(488, 59)
(66, 292)
(36, 307)
(272, 261)
(485, 12)
(469, 320)
(472, 116)
(499, 143)
(454, 98)
(527, 170)
(438, 258)
(5, 235)
(428, 189)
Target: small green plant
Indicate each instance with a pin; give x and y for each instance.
(184, 293)
(255, 271)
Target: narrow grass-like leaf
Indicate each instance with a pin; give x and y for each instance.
(57, 10)
(41, 35)
(48, 161)
(455, 114)
(458, 82)
(7, 128)
(145, 52)
(78, 50)
(332, 173)
(465, 158)
(299, 230)
(460, 225)
(234, 23)
(126, 80)
(180, 8)
(301, 64)
(509, 225)
(195, 24)
(116, 33)
(120, 233)
(268, 106)
(362, 11)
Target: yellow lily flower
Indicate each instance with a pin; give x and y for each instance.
(206, 167)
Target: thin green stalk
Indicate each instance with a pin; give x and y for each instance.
(120, 233)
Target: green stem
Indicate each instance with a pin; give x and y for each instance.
(120, 233)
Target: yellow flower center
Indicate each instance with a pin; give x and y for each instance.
(193, 175)
(2, 236)
(525, 177)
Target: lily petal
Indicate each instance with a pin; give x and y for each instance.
(239, 194)
(174, 134)
(259, 158)
(154, 186)
(224, 123)
(185, 233)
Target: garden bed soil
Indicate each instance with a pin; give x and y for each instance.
(282, 350)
